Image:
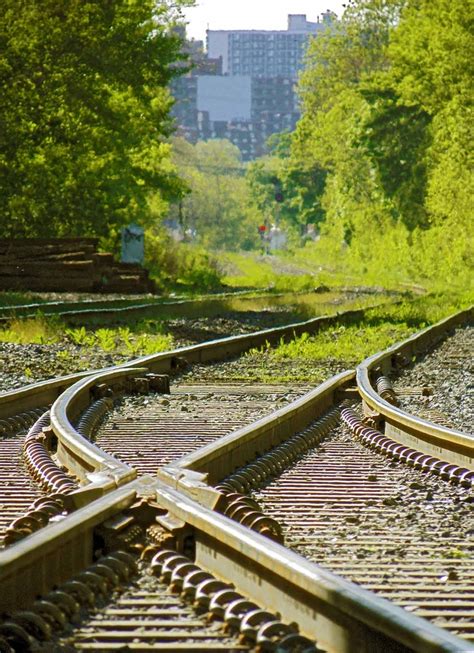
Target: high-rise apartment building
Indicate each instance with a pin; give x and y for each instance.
(263, 53)
(253, 95)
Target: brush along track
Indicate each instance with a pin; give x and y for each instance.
(38, 395)
(457, 554)
(401, 533)
(148, 432)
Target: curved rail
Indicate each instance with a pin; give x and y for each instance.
(93, 307)
(429, 438)
(45, 392)
(101, 471)
(195, 473)
(334, 612)
(105, 308)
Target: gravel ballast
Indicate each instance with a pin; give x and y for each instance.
(440, 386)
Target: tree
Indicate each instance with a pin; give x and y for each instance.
(327, 146)
(217, 209)
(284, 188)
(387, 114)
(84, 113)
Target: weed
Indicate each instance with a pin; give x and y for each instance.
(105, 339)
(457, 554)
(38, 330)
(380, 328)
(65, 356)
(79, 336)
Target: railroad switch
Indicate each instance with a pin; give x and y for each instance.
(372, 418)
(182, 533)
(140, 385)
(145, 511)
(179, 363)
(48, 438)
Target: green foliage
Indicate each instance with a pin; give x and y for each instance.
(84, 111)
(216, 213)
(396, 140)
(387, 116)
(79, 337)
(299, 187)
(245, 271)
(380, 328)
(38, 330)
(174, 265)
(345, 343)
(144, 338)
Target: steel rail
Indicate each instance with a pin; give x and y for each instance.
(263, 570)
(96, 306)
(336, 613)
(46, 392)
(452, 445)
(196, 473)
(340, 615)
(100, 471)
(53, 554)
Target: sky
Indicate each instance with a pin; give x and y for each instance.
(252, 14)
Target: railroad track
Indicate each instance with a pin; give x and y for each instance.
(196, 502)
(149, 432)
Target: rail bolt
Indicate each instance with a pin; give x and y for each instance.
(120, 567)
(34, 624)
(110, 577)
(17, 637)
(50, 613)
(253, 621)
(79, 591)
(170, 563)
(159, 559)
(96, 582)
(271, 634)
(179, 573)
(64, 601)
(206, 590)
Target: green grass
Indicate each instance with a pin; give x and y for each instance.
(349, 344)
(38, 330)
(343, 343)
(145, 337)
(250, 271)
(305, 358)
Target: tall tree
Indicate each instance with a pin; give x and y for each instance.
(84, 113)
(217, 209)
(387, 101)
